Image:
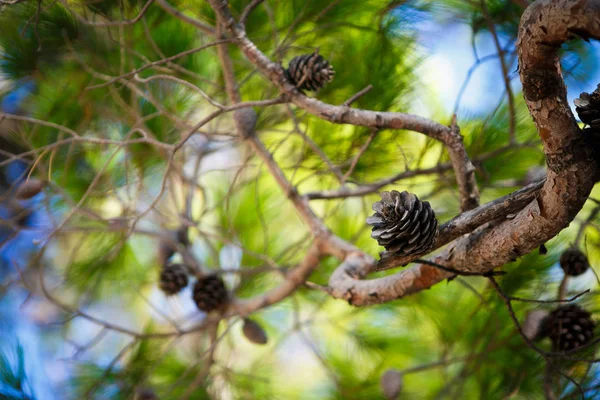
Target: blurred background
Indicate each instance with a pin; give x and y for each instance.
(82, 315)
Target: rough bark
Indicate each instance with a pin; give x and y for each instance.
(545, 25)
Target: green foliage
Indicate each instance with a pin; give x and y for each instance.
(109, 267)
(456, 340)
(14, 384)
(33, 41)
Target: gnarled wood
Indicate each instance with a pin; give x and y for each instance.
(545, 25)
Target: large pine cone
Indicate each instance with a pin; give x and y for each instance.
(574, 262)
(588, 108)
(569, 327)
(403, 224)
(173, 278)
(316, 69)
(210, 293)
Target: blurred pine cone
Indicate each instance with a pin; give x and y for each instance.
(574, 262)
(310, 72)
(245, 121)
(210, 293)
(569, 327)
(403, 224)
(254, 332)
(173, 279)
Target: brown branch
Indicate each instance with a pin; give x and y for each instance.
(354, 116)
(570, 175)
(357, 96)
(294, 279)
(297, 276)
(227, 66)
(345, 192)
(463, 169)
(570, 166)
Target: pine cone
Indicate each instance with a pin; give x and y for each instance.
(309, 72)
(210, 293)
(254, 332)
(245, 121)
(574, 262)
(588, 108)
(403, 224)
(391, 384)
(145, 394)
(569, 327)
(173, 278)
(29, 189)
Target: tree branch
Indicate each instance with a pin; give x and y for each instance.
(571, 169)
(570, 177)
(450, 136)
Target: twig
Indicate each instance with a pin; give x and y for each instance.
(248, 9)
(357, 96)
(316, 286)
(507, 301)
(548, 378)
(459, 272)
(559, 300)
(360, 153)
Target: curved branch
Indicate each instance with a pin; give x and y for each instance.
(545, 25)
(449, 136)
(293, 280)
(571, 169)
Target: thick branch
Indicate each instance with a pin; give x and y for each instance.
(501, 208)
(346, 281)
(571, 169)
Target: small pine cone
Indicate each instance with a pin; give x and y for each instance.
(569, 327)
(29, 189)
(210, 293)
(145, 394)
(574, 262)
(254, 332)
(245, 121)
(403, 224)
(310, 72)
(588, 108)
(391, 384)
(173, 279)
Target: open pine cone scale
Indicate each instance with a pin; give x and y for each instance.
(403, 224)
